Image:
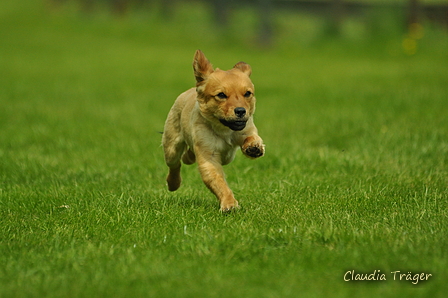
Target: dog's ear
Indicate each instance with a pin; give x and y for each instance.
(244, 67)
(201, 66)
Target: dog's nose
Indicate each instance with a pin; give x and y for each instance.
(240, 112)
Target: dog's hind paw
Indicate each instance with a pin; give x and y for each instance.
(173, 180)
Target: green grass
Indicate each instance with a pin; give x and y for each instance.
(355, 175)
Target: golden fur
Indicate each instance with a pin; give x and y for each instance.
(208, 123)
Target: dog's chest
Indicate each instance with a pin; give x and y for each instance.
(226, 147)
(227, 140)
(228, 155)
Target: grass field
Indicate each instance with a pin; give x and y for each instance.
(355, 175)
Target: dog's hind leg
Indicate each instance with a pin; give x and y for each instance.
(189, 158)
(173, 153)
(174, 146)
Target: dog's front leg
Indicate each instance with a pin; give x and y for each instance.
(213, 176)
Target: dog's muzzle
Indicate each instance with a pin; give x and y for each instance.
(236, 125)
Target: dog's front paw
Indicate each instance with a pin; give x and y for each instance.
(230, 205)
(254, 152)
(253, 149)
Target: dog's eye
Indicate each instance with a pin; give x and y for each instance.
(247, 94)
(221, 95)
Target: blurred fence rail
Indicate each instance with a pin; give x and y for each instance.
(436, 11)
(335, 11)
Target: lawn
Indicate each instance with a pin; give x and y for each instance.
(354, 179)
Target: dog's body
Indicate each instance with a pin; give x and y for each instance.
(208, 123)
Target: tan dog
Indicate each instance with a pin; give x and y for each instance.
(208, 123)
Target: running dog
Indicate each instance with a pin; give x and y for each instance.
(208, 123)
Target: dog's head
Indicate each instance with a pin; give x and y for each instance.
(226, 97)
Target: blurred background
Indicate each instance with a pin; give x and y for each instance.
(106, 72)
(267, 22)
(117, 66)
(393, 27)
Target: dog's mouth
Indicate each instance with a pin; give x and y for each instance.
(236, 125)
